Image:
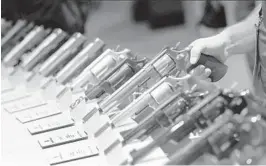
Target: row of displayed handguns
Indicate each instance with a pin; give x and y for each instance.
(144, 110)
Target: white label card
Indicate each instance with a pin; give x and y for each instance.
(49, 125)
(24, 104)
(13, 95)
(61, 139)
(36, 113)
(73, 154)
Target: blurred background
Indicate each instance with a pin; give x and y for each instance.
(144, 26)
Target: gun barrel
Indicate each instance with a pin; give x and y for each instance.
(194, 149)
(63, 54)
(41, 52)
(33, 37)
(15, 29)
(88, 54)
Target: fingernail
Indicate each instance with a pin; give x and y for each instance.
(208, 71)
(193, 60)
(202, 67)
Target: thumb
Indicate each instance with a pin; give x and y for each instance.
(195, 53)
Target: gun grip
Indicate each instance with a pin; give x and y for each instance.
(218, 69)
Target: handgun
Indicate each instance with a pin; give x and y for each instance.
(41, 52)
(89, 52)
(153, 97)
(33, 38)
(162, 116)
(116, 78)
(14, 36)
(168, 62)
(217, 139)
(58, 59)
(199, 116)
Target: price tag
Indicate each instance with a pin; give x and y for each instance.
(36, 113)
(74, 154)
(13, 95)
(24, 103)
(52, 123)
(62, 139)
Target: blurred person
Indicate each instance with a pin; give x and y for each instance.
(213, 19)
(241, 38)
(69, 15)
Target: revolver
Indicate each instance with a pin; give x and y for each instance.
(33, 38)
(65, 53)
(168, 62)
(163, 116)
(219, 139)
(42, 51)
(199, 116)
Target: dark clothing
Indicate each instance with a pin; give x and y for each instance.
(260, 83)
(69, 15)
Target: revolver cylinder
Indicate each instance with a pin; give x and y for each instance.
(98, 69)
(153, 97)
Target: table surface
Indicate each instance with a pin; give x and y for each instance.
(19, 146)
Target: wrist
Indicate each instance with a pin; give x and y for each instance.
(226, 38)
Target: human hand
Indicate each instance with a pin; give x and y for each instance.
(214, 46)
(201, 72)
(198, 79)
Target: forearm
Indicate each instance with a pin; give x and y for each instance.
(244, 30)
